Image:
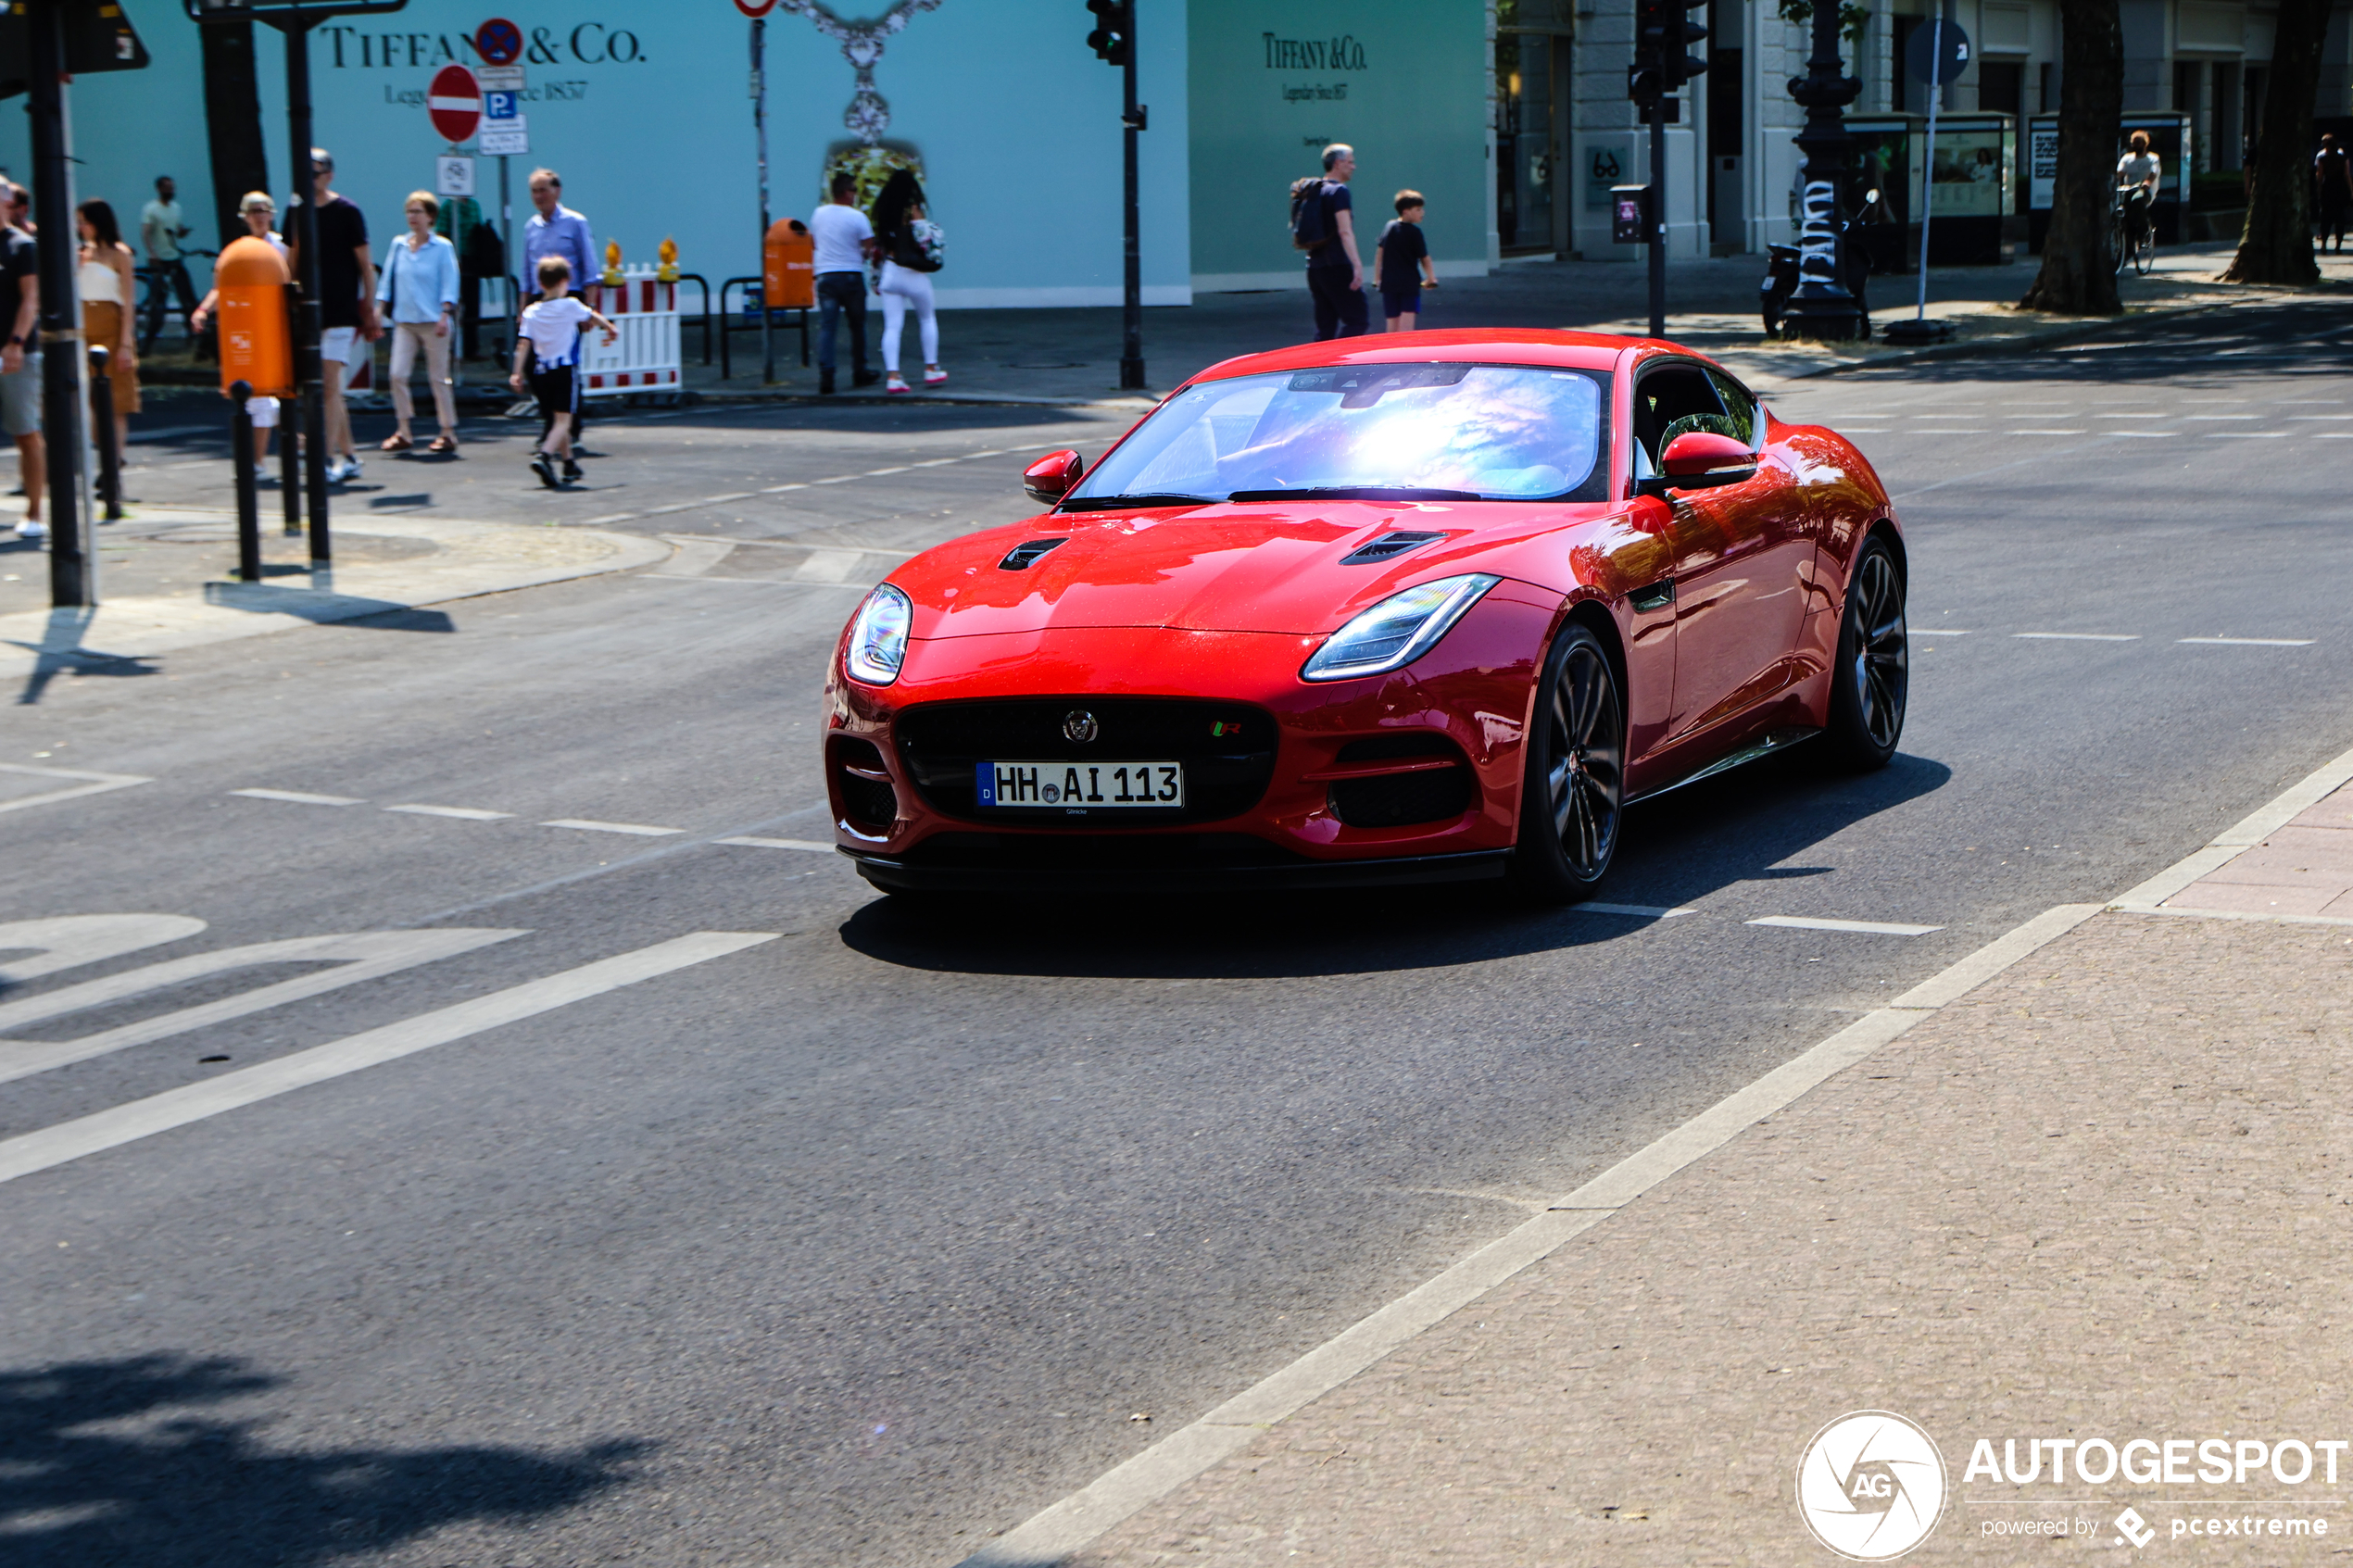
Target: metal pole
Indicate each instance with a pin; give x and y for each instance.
(1928, 155)
(1131, 357)
(1822, 307)
(248, 501)
(73, 579)
(290, 433)
(1659, 216)
(759, 113)
(102, 427)
(309, 368)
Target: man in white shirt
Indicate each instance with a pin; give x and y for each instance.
(161, 228)
(844, 239)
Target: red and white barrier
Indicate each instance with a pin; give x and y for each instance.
(645, 358)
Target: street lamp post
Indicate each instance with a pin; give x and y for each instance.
(1822, 309)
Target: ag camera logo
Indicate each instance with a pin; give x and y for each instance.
(1871, 1486)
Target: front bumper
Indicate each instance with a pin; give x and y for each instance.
(1464, 705)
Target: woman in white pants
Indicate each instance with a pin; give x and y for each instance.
(907, 267)
(418, 289)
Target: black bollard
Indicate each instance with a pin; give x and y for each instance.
(249, 496)
(102, 426)
(290, 454)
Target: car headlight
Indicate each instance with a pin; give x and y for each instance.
(878, 637)
(1397, 631)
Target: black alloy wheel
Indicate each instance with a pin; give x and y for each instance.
(1575, 781)
(1871, 680)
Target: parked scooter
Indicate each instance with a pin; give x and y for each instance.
(1782, 274)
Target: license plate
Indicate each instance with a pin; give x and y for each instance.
(1082, 785)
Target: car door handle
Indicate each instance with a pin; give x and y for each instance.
(1658, 595)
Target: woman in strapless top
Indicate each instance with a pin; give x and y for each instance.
(105, 283)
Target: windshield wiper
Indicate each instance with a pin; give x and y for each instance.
(1355, 493)
(1111, 503)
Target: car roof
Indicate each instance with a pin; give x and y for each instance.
(1506, 345)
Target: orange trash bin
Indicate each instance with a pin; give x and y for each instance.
(256, 336)
(787, 277)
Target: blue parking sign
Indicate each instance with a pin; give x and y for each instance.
(501, 106)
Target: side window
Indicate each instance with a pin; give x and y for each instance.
(1671, 400)
(1740, 408)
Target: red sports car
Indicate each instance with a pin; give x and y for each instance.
(1398, 608)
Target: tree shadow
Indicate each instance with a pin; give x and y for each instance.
(111, 1462)
(1674, 849)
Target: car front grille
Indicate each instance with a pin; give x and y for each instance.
(1227, 750)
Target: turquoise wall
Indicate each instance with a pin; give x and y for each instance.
(1404, 81)
(644, 110)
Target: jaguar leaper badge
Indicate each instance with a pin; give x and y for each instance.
(1079, 726)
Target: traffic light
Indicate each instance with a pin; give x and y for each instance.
(1663, 35)
(1114, 25)
(1683, 31)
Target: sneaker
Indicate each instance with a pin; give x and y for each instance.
(545, 466)
(865, 378)
(825, 382)
(350, 470)
(896, 384)
(572, 472)
(935, 378)
(32, 528)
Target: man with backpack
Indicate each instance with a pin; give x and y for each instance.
(1320, 226)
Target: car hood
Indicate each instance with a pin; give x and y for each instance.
(1232, 567)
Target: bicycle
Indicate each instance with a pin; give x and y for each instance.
(2131, 234)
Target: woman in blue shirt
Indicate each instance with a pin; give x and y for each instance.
(418, 289)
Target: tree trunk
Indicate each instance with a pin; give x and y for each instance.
(2276, 246)
(2079, 274)
(233, 118)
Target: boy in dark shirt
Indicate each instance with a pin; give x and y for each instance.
(1395, 260)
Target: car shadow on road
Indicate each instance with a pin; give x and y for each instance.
(118, 1461)
(1675, 850)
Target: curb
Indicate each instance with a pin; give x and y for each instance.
(2034, 338)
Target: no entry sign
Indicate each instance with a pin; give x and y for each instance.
(455, 102)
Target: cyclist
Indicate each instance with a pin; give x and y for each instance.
(2137, 173)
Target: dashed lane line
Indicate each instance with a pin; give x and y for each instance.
(2079, 637)
(68, 1141)
(753, 842)
(638, 830)
(1863, 927)
(298, 797)
(2251, 642)
(461, 813)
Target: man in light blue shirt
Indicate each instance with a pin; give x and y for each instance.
(555, 230)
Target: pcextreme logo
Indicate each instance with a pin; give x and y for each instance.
(1871, 1486)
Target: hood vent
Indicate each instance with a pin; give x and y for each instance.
(1389, 546)
(1024, 554)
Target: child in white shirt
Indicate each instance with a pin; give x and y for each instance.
(551, 336)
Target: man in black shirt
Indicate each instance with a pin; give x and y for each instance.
(346, 304)
(21, 361)
(1335, 273)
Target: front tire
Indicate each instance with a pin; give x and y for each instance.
(1870, 683)
(1575, 787)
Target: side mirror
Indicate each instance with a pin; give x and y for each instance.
(1050, 478)
(1698, 458)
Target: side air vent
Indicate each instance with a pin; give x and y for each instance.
(1389, 546)
(861, 783)
(1022, 556)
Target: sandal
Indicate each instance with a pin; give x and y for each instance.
(397, 442)
(443, 444)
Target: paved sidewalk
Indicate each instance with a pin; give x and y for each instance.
(2098, 1195)
(168, 580)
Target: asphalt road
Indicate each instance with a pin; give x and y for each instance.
(853, 1245)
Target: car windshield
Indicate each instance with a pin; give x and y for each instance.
(1436, 432)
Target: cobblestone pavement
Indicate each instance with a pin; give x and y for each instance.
(2100, 1195)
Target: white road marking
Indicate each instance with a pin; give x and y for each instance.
(297, 798)
(68, 1141)
(2226, 416)
(2243, 434)
(827, 566)
(780, 489)
(1062, 1528)
(2253, 642)
(70, 941)
(362, 957)
(2333, 435)
(694, 556)
(729, 495)
(2318, 415)
(877, 473)
(609, 517)
(2079, 636)
(92, 784)
(2148, 434)
(809, 844)
(637, 828)
(463, 813)
(837, 479)
(934, 462)
(1637, 911)
(1940, 632)
(1866, 927)
(2042, 433)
